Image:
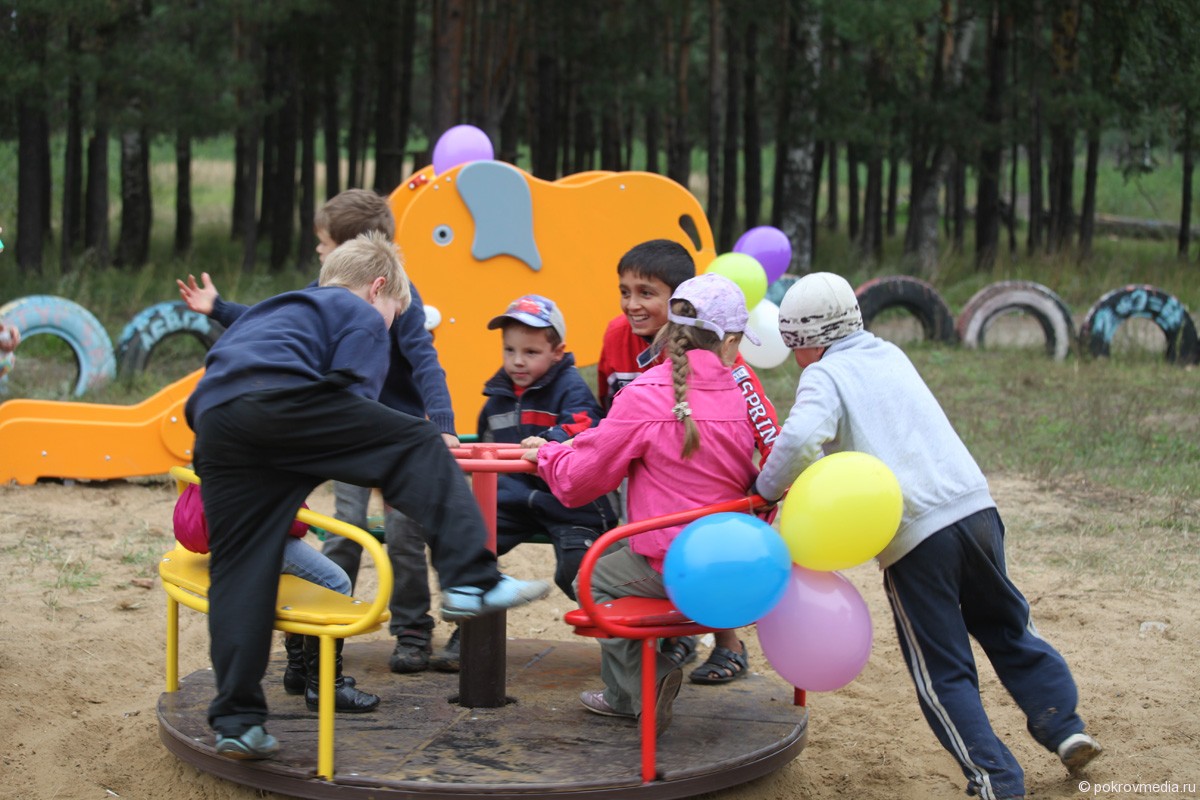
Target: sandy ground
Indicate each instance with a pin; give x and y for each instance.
(1112, 579)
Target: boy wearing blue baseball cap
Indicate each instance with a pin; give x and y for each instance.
(537, 396)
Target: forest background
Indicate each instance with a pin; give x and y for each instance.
(912, 129)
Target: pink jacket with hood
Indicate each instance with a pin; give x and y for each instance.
(641, 438)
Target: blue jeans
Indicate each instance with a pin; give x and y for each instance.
(953, 586)
(312, 565)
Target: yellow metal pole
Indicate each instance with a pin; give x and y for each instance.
(325, 711)
(172, 644)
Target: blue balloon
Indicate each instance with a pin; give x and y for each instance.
(727, 570)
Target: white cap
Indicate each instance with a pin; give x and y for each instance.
(818, 310)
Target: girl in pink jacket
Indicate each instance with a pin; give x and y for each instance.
(679, 432)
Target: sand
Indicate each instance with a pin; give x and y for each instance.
(1112, 579)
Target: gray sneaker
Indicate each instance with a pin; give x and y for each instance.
(465, 602)
(1077, 751)
(254, 744)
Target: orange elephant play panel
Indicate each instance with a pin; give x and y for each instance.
(484, 233)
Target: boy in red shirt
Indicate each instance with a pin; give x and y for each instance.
(648, 275)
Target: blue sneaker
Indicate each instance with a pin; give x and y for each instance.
(465, 602)
(254, 744)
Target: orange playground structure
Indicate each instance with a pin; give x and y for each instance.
(93, 441)
(484, 233)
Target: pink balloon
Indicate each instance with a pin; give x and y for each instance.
(770, 247)
(461, 144)
(818, 637)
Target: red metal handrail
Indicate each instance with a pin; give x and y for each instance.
(749, 504)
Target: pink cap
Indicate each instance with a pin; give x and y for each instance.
(719, 303)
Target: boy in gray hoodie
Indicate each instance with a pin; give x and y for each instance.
(944, 572)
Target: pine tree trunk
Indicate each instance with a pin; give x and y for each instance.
(449, 20)
(987, 202)
(832, 200)
(332, 132)
(852, 193)
(389, 75)
(133, 246)
(679, 146)
(1189, 167)
(729, 174)
(184, 215)
(33, 147)
(72, 179)
(715, 105)
(797, 195)
(1087, 215)
(752, 142)
(305, 247)
(95, 227)
(283, 218)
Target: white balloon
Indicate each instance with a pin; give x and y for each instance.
(433, 317)
(764, 323)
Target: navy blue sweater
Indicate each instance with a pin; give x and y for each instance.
(294, 339)
(415, 382)
(556, 408)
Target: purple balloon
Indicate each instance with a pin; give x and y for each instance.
(461, 144)
(769, 246)
(818, 637)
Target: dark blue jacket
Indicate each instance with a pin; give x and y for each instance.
(295, 339)
(556, 408)
(415, 382)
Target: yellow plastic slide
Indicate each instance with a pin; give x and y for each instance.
(94, 441)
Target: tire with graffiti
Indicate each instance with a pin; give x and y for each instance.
(1148, 302)
(152, 325)
(996, 299)
(57, 316)
(913, 295)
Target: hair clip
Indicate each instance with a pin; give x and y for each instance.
(682, 409)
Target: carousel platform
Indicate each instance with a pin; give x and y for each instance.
(540, 744)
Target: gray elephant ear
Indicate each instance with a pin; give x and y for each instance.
(501, 205)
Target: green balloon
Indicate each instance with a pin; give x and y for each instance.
(746, 272)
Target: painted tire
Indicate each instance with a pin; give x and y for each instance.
(778, 289)
(913, 294)
(1149, 302)
(71, 322)
(154, 324)
(998, 298)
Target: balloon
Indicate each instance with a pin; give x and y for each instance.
(745, 271)
(818, 636)
(461, 144)
(769, 246)
(764, 323)
(726, 570)
(841, 511)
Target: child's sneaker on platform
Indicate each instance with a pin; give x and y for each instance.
(253, 744)
(1077, 751)
(465, 602)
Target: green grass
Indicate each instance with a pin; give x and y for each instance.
(1127, 423)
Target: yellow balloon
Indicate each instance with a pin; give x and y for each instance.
(745, 271)
(841, 512)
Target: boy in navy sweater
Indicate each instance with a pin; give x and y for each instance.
(289, 400)
(538, 396)
(415, 384)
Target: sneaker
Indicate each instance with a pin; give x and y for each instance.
(465, 602)
(593, 700)
(1077, 751)
(447, 659)
(411, 654)
(664, 702)
(254, 744)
